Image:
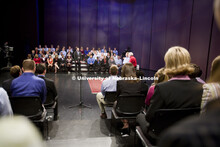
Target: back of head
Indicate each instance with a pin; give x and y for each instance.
(177, 61)
(28, 64)
(15, 71)
(113, 70)
(130, 54)
(18, 131)
(128, 70)
(161, 76)
(215, 70)
(197, 71)
(40, 68)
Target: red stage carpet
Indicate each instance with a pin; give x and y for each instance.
(95, 86)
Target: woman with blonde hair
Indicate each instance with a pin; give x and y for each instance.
(211, 90)
(177, 93)
(129, 87)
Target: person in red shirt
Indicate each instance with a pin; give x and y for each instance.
(37, 59)
(132, 59)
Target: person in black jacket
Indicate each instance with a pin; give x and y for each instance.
(51, 89)
(15, 72)
(129, 87)
(77, 58)
(179, 92)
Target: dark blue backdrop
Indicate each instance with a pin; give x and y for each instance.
(149, 27)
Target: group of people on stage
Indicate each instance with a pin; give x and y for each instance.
(62, 59)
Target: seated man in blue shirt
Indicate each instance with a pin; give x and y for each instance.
(118, 61)
(90, 63)
(108, 85)
(28, 84)
(115, 51)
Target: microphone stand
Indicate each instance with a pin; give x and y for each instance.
(81, 103)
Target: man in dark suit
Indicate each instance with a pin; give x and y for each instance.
(77, 57)
(51, 89)
(15, 72)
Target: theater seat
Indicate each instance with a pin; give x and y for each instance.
(163, 119)
(110, 98)
(32, 108)
(127, 107)
(52, 103)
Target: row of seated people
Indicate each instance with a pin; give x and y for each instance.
(52, 51)
(94, 61)
(27, 84)
(178, 86)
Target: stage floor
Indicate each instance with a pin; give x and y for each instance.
(79, 126)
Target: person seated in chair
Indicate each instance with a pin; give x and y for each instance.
(15, 72)
(90, 63)
(28, 84)
(62, 63)
(98, 65)
(105, 64)
(69, 63)
(129, 87)
(108, 85)
(50, 63)
(51, 89)
(177, 93)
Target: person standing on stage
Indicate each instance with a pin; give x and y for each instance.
(77, 57)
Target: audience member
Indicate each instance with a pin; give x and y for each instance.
(126, 58)
(87, 50)
(43, 59)
(97, 64)
(5, 105)
(211, 90)
(51, 89)
(62, 63)
(15, 71)
(18, 131)
(108, 85)
(56, 62)
(90, 63)
(132, 59)
(204, 130)
(111, 61)
(129, 87)
(159, 76)
(118, 61)
(63, 52)
(28, 84)
(69, 63)
(115, 51)
(196, 74)
(32, 54)
(50, 63)
(77, 58)
(36, 59)
(104, 63)
(179, 92)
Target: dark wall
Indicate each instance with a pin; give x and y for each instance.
(19, 26)
(149, 27)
